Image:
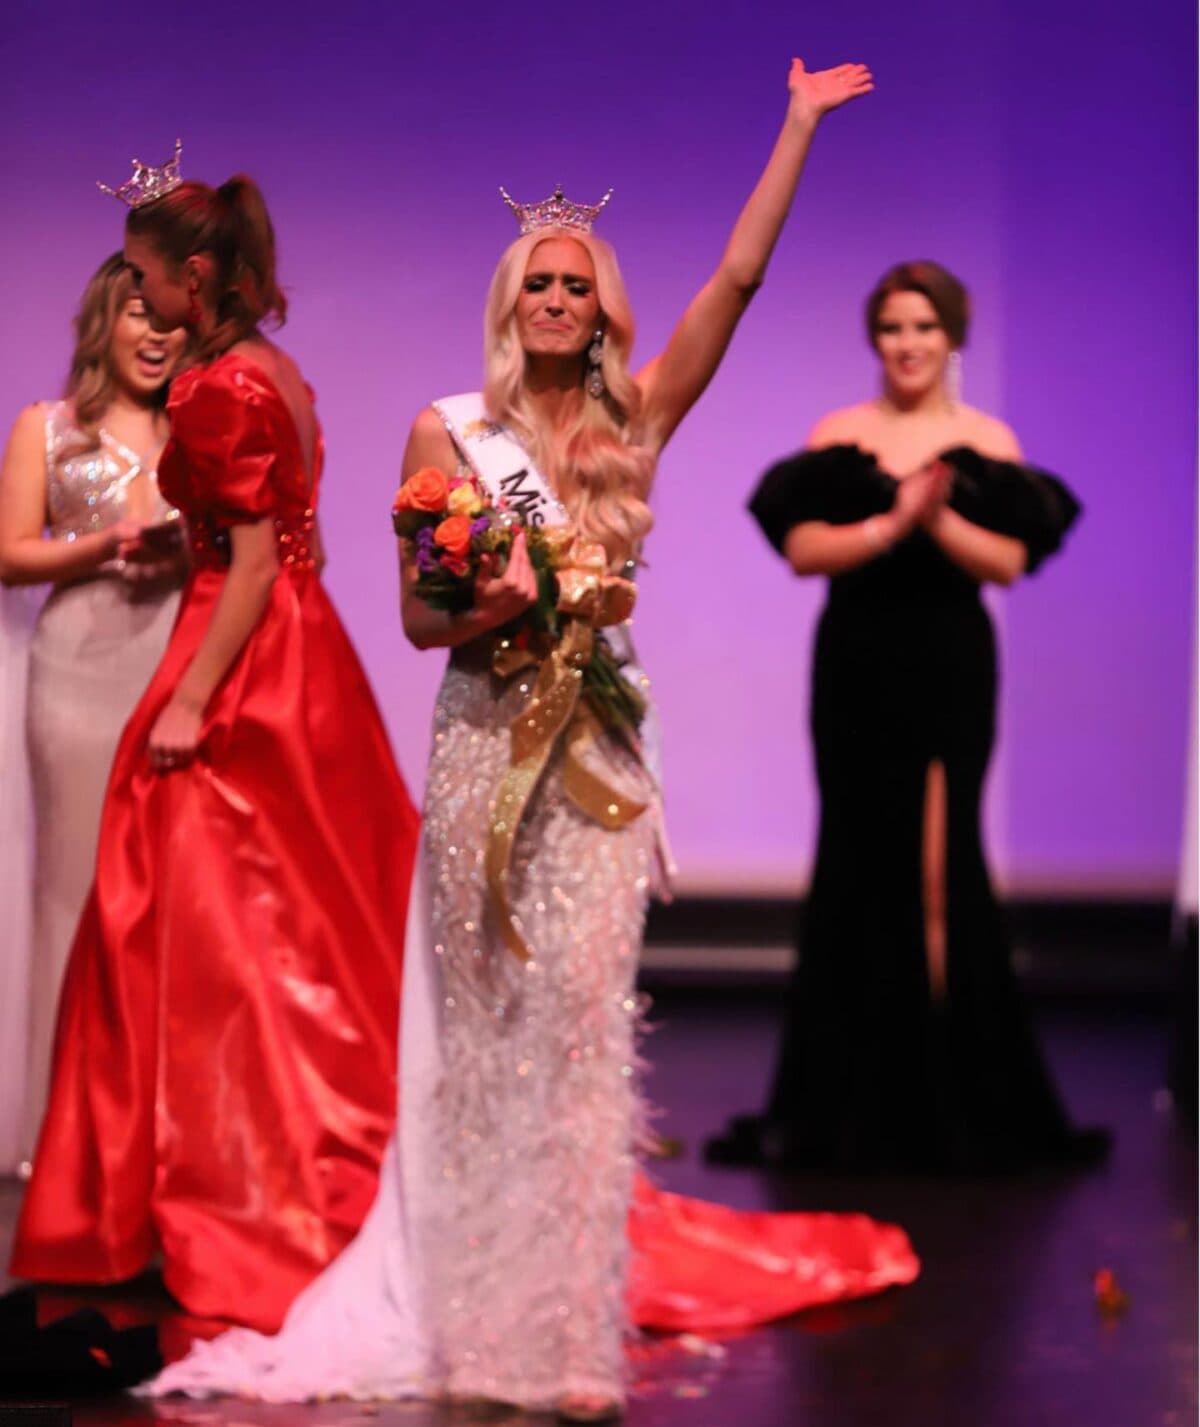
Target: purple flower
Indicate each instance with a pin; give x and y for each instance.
(426, 561)
(425, 538)
(480, 526)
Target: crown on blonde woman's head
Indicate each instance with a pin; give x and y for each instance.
(555, 212)
(148, 183)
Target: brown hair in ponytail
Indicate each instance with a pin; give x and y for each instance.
(232, 225)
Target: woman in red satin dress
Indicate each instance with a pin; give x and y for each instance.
(224, 1081)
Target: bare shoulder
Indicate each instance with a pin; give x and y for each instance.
(280, 366)
(255, 348)
(990, 436)
(428, 424)
(847, 425)
(28, 431)
(429, 444)
(23, 471)
(32, 418)
(287, 366)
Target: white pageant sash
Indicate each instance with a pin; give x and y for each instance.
(505, 468)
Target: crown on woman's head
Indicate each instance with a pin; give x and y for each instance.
(148, 183)
(555, 212)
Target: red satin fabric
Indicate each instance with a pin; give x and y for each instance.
(701, 1267)
(224, 1080)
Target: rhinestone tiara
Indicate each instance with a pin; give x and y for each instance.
(555, 212)
(148, 183)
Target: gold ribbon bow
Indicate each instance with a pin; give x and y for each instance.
(585, 588)
(589, 598)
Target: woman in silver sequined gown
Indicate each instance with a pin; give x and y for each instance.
(494, 1262)
(77, 492)
(536, 1113)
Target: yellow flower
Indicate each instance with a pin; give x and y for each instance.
(464, 500)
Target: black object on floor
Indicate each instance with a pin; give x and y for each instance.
(80, 1355)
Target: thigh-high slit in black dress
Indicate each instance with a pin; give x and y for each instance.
(876, 1071)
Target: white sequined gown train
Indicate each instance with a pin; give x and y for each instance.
(493, 1261)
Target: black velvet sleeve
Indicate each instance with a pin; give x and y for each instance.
(839, 484)
(1028, 504)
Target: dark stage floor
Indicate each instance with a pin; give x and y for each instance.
(1002, 1329)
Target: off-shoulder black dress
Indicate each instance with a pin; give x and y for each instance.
(874, 1071)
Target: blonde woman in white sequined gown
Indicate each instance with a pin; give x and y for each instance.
(77, 494)
(495, 1261)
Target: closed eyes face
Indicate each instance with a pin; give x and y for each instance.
(912, 343)
(142, 359)
(558, 309)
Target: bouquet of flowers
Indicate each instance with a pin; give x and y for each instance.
(450, 523)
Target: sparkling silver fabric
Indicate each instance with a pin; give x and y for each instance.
(95, 646)
(536, 1113)
(88, 490)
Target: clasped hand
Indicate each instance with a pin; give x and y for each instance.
(922, 496)
(503, 597)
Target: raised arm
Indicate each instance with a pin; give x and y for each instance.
(26, 556)
(674, 380)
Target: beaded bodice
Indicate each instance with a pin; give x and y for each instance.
(88, 484)
(209, 544)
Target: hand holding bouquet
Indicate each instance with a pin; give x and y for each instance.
(453, 527)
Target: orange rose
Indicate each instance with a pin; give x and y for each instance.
(453, 535)
(428, 490)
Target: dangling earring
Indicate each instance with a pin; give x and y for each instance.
(954, 378)
(595, 356)
(194, 312)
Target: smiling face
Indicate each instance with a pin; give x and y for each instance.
(164, 287)
(140, 358)
(558, 309)
(912, 344)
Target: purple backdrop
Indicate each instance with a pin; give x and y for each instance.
(1045, 152)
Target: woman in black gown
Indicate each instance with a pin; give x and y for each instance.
(906, 1044)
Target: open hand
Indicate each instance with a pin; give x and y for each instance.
(817, 93)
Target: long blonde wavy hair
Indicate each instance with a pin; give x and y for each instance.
(91, 383)
(592, 456)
